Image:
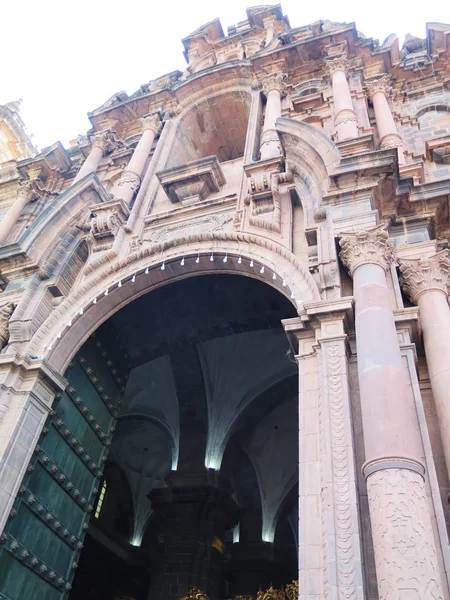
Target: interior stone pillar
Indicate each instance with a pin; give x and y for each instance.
(345, 119)
(426, 280)
(26, 193)
(405, 553)
(387, 129)
(130, 179)
(101, 143)
(273, 88)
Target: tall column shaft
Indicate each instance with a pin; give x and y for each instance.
(101, 143)
(405, 553)
(427, 282)
(130, 179)
(273, 87)
(345, 120)
(25, 194)
(387, 129)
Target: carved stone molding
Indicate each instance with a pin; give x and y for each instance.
(378, 85)
(201, 225)
(28, 190)
(391, 140)
(129, 179)
(152, 122)
(104, 140)
(367, 247)
(425, 274)
(344, 116)
(405, 555)
(6, 311)
(106, 221)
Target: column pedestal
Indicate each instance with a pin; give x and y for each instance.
(194, 515)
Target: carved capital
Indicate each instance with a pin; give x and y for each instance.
(28, 190)
(367, 247)
(378, 85)
(152, 122)
(274, 81)
(105, 224)
(337, 64)
(424, 274)
(104, 140)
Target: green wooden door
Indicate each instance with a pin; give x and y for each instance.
(44, 534)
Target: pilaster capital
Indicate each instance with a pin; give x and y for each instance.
(367, 247)
(274, 81)
(29, 190)
(104, 140)
(337, 64)
(426, 274)
(375, 86)
(152, 122)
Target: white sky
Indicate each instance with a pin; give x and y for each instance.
(65, 58)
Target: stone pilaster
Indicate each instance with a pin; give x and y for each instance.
(345, 119)
(378, 91)
(405, 553)
(427, 281)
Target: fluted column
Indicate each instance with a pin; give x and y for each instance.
(405, 553)
(130, 179)
(273, 88)
(26, 193)
(345, 119)
(387, 129)
(426, 280)
(101, 143)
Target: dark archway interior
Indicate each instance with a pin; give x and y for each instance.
(202, 475)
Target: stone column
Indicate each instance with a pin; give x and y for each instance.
(26, 193)
(405, 553)
(426, 280)
(130, 179)
(273, 88)
(387, 130)
(345, 120)
(101, 143)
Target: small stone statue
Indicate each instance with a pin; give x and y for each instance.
(5, 314)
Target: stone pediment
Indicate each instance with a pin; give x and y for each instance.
(193, 181)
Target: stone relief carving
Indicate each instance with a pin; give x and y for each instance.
(6, 311)
(105, 140)
(405, 555)
(426, 273)
(208, 224)
(367, 247)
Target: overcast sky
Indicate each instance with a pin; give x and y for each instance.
(65, 58)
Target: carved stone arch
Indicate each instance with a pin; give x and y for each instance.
(438, 107)
(71, 323)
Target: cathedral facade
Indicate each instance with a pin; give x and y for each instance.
(225, 328)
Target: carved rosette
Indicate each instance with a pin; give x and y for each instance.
(152, 123)
(367, 247)
(425, 274)
(405, 554)
(104, 140)
(274, 81)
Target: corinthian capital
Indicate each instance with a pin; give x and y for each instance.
(28, 190)
(336, 64)
(426, 273)
(152, 122)
(104, 140)
(367, 247)
(274, 81)
(378, 85)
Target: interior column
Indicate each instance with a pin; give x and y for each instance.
(404, 548)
